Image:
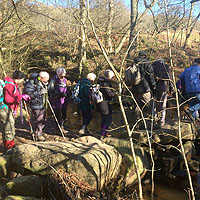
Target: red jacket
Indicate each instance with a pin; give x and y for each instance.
(12, 96)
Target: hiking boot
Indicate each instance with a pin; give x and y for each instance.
(44, 135)
(82, 131)
(64, 131)
(108, 135)
(102, 137)
(40, 138)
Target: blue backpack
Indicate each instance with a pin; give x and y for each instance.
(75, 94)
(2, 85)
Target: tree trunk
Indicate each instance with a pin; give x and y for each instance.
(190, 24)
(133, 31)
(108, 40)
(82, 43)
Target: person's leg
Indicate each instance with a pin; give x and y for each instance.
(63, 118)
(194, 105)
(136, 115)
(146, 105)
(63, 113)
(103, 126)
(8, 134)
(162, 105)
(39, 116)
(57, 114)
(107, 119)
(87, 117)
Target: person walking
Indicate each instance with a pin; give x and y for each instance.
(85, 103)
(9, 104)
(163, 79)
(190, 77)
(37, 88)
(105, 107)
(58, 96)
(146, 88)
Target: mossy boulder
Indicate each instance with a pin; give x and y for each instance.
(12, 197)
(5, 163)
(124, 148)
(25, 186)
(96, 162)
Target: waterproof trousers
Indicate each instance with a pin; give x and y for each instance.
(143, 101)
(39, 116)
(87, 117)
(105, 123)
(60, 115)
(8, 127)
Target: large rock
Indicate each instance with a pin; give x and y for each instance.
(5, 163)
(97, 163)
(170, 133)
(25, 186)
(123, 146)
(12, 197)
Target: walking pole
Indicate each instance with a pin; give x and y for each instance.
(56, 119)
(152, 117)
(27, 113)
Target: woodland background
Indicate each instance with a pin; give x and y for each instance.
(46, 34)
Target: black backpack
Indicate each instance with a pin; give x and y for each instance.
(133, 75)
(161, 70)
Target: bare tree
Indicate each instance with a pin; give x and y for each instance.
(191, 23)
(82, 44)
(178, 109)
(108, 40)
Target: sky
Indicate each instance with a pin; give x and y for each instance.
(196, 5)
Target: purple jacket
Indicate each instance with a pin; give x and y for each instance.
(58, 93)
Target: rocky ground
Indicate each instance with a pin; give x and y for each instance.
(24, 135)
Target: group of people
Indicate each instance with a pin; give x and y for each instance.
(39, 92)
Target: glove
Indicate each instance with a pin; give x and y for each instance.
(26, 97)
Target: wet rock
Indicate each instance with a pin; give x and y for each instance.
(123, 146)
(12, 197)
(5, 163)
(169, 133)
(96, 162)
(25, 186)
(2, 191)
(171, 161)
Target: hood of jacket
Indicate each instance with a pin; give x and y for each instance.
(8, 79)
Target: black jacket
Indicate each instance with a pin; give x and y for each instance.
(148, 83)
(108, 92)
(37, 91)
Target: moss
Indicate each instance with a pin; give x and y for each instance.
(12, 197)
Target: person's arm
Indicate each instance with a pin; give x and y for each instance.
(31, 90)
(149, 76)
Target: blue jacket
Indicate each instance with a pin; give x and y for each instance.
(191, 78)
